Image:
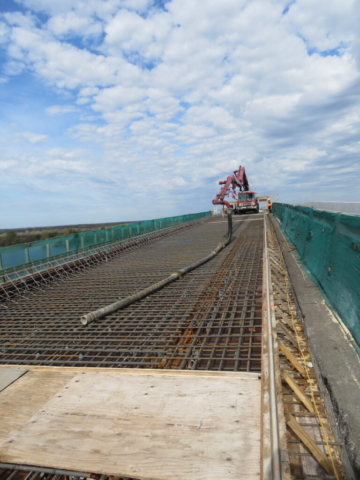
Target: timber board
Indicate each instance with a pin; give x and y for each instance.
(8, 375)
(141, 425)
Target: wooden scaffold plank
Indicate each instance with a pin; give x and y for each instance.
(139, 425)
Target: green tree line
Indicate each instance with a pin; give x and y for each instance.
(12, 238)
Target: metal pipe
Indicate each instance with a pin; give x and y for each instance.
(125, 302)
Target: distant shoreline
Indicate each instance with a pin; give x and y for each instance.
(16, 236)
(59, 228)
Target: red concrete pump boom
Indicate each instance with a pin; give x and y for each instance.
(238, 179)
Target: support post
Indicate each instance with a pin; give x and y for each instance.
(2, 279)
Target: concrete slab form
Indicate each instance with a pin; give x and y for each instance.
(135, 423)
(213, 322)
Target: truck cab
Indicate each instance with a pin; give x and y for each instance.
(247, 202)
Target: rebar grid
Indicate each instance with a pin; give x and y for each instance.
(209, 320)
(23, 474)
(35, 276)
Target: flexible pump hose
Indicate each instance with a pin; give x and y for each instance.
(113, 307)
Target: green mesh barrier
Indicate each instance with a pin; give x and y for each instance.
(17, 255)
(329, 246)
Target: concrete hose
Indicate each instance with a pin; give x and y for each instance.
(125, 302)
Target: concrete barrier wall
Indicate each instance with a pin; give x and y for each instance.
(329, 246)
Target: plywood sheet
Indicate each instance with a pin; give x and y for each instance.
(23, 399)
(145, 426)
(9, 375)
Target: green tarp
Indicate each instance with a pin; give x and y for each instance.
(329, 246)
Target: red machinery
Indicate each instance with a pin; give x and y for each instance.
(246, 199)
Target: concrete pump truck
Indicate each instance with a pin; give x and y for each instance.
(246, 200)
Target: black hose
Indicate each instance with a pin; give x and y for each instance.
(113, 307)
(230, 228)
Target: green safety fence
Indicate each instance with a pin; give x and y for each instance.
(16, 256)
(329, 246)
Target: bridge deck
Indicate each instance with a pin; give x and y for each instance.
(208, 320)
(198, 340)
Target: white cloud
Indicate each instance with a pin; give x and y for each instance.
(324, 24)
(60, 165)
(13, 67)
(88, 91)
(64, 65)
(8, 164)
(102, 9)
(60, 109)
(184, 94)
(110, 99)
(139, 36)
(63, 153)
(32, 137)
(4, 32)
(17, 19)
(70, 23)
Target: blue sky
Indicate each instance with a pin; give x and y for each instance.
(134, 109)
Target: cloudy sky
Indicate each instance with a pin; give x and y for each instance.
(135, 109)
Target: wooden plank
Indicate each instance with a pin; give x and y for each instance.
(280, 313)
(298, 392)
(318, 454)
(8, 375)
(291, 357)
(145, 426)
(23, 399)
(287, 333)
